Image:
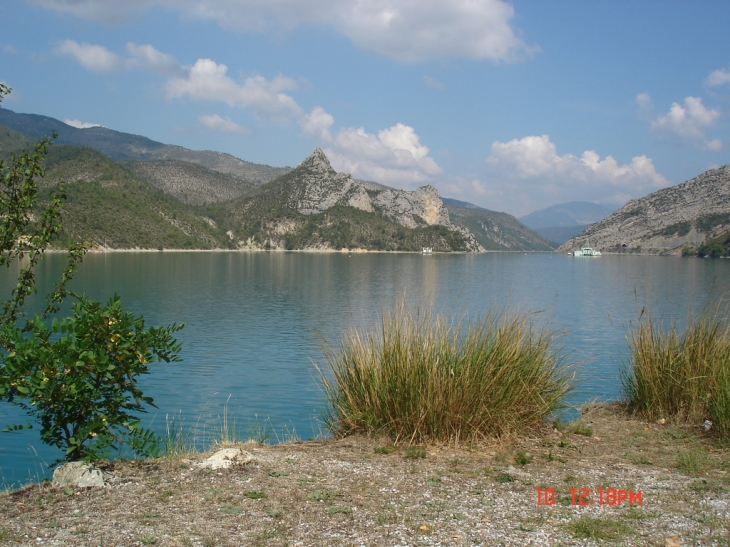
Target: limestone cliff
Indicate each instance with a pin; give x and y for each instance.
(314, 187)
(667, 220)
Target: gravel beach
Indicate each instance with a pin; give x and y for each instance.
(360, 491)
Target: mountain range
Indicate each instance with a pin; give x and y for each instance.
(128, 191)
(561, 222)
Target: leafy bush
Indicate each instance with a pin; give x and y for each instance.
(418, 378)
(78, 378)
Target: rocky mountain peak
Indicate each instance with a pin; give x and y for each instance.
(317, 163)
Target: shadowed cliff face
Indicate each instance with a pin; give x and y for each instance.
(667, 220)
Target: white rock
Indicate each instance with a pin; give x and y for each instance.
(226, 458)
(78, 474)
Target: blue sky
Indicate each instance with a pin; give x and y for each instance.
(512, 106)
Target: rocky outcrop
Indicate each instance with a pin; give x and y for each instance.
(667, 220)
(421, 207)
(321, 187)
(225, 458)
(315, 207)
(78, 475)
(316, 187)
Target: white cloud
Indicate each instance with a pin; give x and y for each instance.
(433, 83)
(97, 58)
(110, 12)
(718, 77)
(687, 121)
(419, 30)
(318, 124)
(207, 80)
(533, 162)
(394, 156)
(147, 58)
(406, 30)
(90, 56)
(217, 123)
(644, 102)
(80, 125)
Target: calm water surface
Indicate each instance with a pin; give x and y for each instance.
(256, 322)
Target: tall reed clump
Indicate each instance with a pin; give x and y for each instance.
(422, 378)
(681, 376)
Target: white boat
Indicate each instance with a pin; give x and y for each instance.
(586, 251)
(427, 250)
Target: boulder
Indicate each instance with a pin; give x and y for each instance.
(77, 474)
(227, 457)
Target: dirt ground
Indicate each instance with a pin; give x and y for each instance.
(361, 492)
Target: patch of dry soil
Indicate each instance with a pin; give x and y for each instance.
(351, 492)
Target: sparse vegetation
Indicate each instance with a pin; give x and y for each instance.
(597, 528)
(581, 428)
(420, 378)
(416, 452)
(678, 228)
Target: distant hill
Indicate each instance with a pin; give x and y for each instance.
(561, 222)
(110, 206)
(495, 231)
(191, 183)
(125, 146)
(11, 140)
(573, 213)
(687, 215)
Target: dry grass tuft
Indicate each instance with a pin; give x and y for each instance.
(683, 377)
(422, 378)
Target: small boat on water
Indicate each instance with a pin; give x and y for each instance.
(586, 251)
(427, 250)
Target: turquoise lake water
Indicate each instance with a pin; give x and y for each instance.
(256, 322)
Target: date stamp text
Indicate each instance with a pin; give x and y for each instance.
(584, 497)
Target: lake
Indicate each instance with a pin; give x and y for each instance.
(256, 322)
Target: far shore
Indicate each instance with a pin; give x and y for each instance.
(338, 251)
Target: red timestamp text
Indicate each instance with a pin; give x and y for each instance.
(584, 497)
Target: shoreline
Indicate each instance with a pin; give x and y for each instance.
(322, 251)
(347, 251)
(360, 491)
